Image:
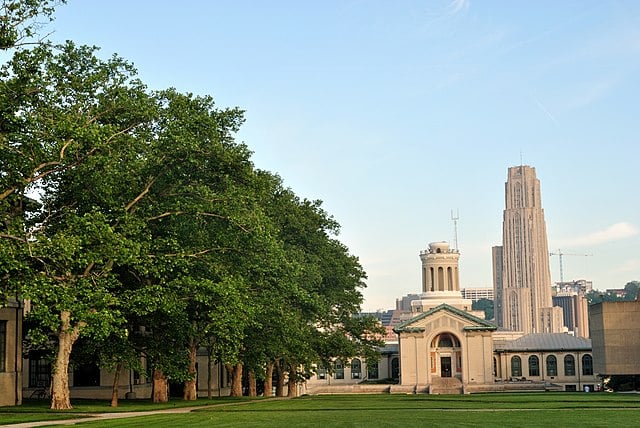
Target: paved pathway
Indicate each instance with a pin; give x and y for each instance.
(90, 417)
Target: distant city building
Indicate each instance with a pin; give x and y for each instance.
(498, 286)
(383, 316)
(404, 303)
(475, 294)
(580, 286)
(551, 320)
(617, 292)
(575, 309)
(523, 290)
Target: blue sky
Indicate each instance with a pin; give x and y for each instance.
(396, 113)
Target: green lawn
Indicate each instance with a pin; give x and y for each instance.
(33, 410)
(489, 410)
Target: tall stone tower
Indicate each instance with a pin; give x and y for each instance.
(441, 280)
(523, 290)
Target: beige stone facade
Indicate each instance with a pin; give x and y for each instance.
(11, 354)
(445, 348)
(556, 361)
(615, 337)
(97, 383)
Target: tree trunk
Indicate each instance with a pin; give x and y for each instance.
(292, 382)
(253, 389)
(160, 387)
(236, 380)
(60, 383)
(116, 381)
(280, 381)
(268, 381)
(190, 391)
(209, 371)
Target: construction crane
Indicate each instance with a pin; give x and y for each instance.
(560, 254)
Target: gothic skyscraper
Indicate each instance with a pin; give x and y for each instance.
(522, 280)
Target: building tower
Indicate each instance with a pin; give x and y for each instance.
(440, 269)
(441, 280)
(523, 292)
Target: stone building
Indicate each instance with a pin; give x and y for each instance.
(11, 353)
(616, 341)
(558, 361)
(445, 349)
(522, 281)
(575, 311)
(448, 348)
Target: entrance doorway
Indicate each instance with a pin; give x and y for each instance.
(445, 366)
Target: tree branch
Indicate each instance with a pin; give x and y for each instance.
(195, 255)
(166, 214)
(16, 238)
(7, 192)
(141, 195)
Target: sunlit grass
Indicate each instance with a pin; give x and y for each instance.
(494, 410)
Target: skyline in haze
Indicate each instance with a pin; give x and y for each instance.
(396, 114)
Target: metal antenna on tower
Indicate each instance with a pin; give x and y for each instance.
(455, 228)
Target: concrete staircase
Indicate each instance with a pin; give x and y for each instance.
(445, 385)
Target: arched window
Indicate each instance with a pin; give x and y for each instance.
(356, 368)
(445, 340)
(569, 365)
(516, 366)
(339, 369)
(587, 365)
(440, 279)
(372, 369)
(395, 368)
(534, 366)
(552, 366)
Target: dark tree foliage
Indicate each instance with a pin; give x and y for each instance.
(485, 305)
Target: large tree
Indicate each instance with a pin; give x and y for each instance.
(75, 116)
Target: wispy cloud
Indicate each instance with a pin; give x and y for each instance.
(457, 6)
(545, 110)
(615, 232)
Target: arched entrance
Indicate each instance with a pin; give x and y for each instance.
(446, 356)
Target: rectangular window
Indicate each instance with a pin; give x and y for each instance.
(3, 346)
(322, 372)
(39, 372)
(570, 388)
(339, 370)
(372, 370)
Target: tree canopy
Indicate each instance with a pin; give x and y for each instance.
(133, 221)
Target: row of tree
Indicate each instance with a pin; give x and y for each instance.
(134, 222)
(627, 294)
